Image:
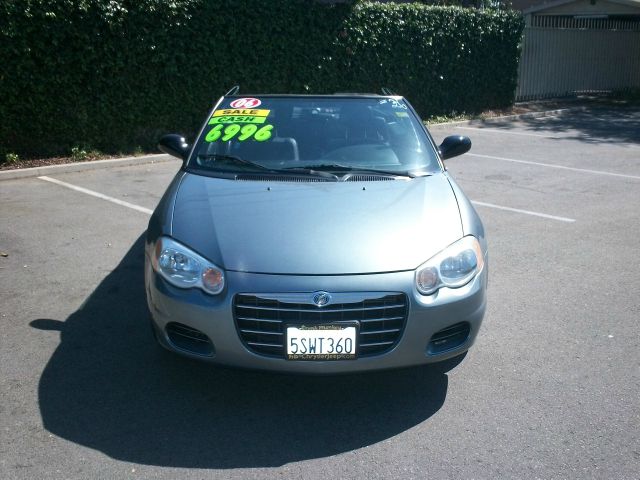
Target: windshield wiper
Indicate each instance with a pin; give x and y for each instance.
(292, 170)
(235, 160)
(347, 168)
(309, 171)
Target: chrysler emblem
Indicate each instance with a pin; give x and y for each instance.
(321, 298)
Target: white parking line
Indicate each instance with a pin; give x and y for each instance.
(525, 212)
(499, 130)
(98, 195)
(562, 167)
(149, 212)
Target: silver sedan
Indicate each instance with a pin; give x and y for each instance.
(315, 234)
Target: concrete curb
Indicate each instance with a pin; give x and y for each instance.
(507, 118)
(83, 166)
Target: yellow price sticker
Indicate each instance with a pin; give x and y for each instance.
(244, 112)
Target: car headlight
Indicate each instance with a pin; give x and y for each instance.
(184, 268)
(453, 267)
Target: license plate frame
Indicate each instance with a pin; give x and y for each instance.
(324, 327)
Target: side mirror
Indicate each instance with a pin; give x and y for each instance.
(174, 145)
(453, 146)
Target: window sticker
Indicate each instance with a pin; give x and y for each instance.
(239, 115)
(241, 133)
(402, 114)
(245, 103)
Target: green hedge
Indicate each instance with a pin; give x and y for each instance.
(117, 74)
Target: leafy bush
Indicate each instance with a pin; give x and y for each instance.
(78, 154)
(117, 74)
(81, 154)
(11, 158)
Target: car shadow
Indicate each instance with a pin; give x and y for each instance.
(594, 125)
(108, 386)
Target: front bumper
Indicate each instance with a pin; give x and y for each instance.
(213, 315)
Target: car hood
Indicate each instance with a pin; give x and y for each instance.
(316, 228)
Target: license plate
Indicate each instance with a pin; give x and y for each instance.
(322, 342)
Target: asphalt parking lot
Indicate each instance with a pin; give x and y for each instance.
(550, 389)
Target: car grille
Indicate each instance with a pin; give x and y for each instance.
(368, 178)
(261, 320)
(250, 177)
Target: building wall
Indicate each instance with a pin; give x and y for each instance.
(584, 7)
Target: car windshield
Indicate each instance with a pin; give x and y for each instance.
(312, 134)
